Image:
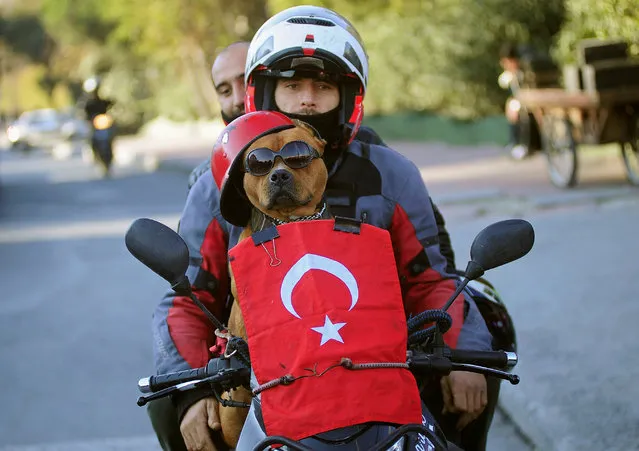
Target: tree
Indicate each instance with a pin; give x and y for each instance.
(180, 38)
(26, 42)
(25, 35)
(155, 56)
(602, 19)
(435, 56)
(442, 56)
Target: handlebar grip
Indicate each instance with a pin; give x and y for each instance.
(425, 364)
(493, 359)
(157, 383)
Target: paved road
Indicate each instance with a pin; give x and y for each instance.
(75, 311)
(75, 316)
(573, 300)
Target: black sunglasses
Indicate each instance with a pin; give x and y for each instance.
(294, 154)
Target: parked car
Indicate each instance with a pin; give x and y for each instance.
(74, 126)
(45, 129)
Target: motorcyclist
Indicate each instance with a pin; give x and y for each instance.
(93, 104)
(182, 334)
(227, 75)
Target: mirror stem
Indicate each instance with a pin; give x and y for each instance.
(183, 288)
(216, 322)
(459, 289)
(473, 271)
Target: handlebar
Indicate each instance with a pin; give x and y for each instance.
(419, 363)
(482, 362)
(220, 374)
(156, 383)
(493, 359)
(228, 373)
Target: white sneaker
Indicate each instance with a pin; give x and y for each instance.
(519, 152)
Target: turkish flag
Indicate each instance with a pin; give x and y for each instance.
(333, 295)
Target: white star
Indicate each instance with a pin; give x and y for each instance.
(329, 331)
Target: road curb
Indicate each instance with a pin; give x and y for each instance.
(470, 197)
(522, 435)
(589, 196)
(484, 197)
(463, 198)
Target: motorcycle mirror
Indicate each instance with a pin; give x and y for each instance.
(160, 249)
(164, 252)
(498, 244)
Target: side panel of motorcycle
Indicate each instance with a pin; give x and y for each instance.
(253, 433)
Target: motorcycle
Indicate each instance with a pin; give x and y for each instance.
(164, 252)
(102, 136)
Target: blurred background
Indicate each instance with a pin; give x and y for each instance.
(75, 315)
(427, 57)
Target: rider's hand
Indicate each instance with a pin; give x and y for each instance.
(197, 423)
(464, 393)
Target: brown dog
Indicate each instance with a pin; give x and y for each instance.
(282, 194)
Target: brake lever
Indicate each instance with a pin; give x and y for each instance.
(512, 378)
(143, 400)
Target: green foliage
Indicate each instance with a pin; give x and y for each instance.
(441, 56)
(23, 91)
(425, 56)
(154, 57)
(26, 35)
(602, 19)
(438, 128)
(354, 10)
(76, 21)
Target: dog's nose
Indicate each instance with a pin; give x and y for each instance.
(280, 177)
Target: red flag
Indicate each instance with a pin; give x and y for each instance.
(332, 295)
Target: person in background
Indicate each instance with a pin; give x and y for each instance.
(92, 103)
(227, 75)
(510, 80)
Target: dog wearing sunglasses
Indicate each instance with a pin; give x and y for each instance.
(284, 180)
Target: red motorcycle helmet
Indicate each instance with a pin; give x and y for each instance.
(226, 161)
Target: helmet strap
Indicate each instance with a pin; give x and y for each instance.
(268, 94)
(327, 124)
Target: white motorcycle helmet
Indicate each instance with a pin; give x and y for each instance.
(308, 39)
(91, 84)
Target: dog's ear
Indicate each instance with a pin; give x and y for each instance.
(309, 128)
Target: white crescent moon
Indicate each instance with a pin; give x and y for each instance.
(313, 261)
